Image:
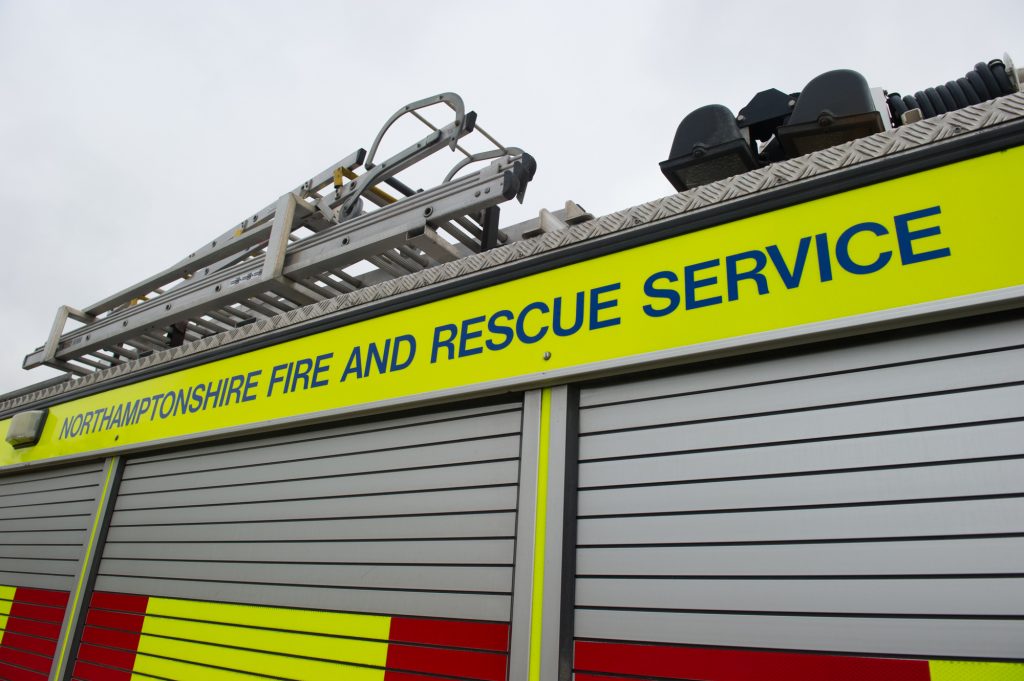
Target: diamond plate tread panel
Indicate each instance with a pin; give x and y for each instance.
(865, 150)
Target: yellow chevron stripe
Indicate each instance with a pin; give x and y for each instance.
(250, 661)
(355, 651)
(180, 638)
(956, 670)
(173, 669)
(289, 619)
(6, 601)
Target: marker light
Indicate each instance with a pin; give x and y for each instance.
(708, 146)
(26, 428)
(835, 107)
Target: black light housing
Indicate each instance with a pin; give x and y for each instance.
(835, 107)
(762, 116)
(708, 146)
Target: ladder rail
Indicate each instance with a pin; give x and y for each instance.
(409, 223)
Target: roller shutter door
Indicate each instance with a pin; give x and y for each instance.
(364, 551)
(45, 517)
(865, 500)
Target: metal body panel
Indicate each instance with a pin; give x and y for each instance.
(470, 606)
(44, 521)
(932, 411)
(891, 382)
(409, 515)
(493, 473)
(445, 454)
(945, 597)
(470, 500)
(865, 353)
(862, 558)
(978, 478)
(862, 499)
(354, 439)
(962, 443)
(469, 551)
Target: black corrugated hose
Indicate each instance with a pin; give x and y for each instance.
(985, 82)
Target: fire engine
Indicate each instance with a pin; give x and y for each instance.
(770, 426)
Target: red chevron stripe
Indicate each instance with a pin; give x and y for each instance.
(476, 635)
(30, 637)
(85, 671)
(712, 664)
(11, 673)
(110, 640)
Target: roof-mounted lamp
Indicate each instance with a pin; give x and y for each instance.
(835, 107)
(708, 146)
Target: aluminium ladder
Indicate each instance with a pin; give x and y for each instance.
(302, 248)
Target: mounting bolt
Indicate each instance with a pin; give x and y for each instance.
(344, 241)
(428, 211)
(547, 356)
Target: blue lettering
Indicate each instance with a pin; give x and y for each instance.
(251, 383)
(131, 413)
(468, 335)
(506, 332)
(378, 357)
(407, 341)
(843, 249)
(212, 394)
(275, 378)
(671, 295)
(556, 316)
(300, 372)
(195, 400)
(692, 283)
(906, 238)
(790, 277)
(451, 330)
(319, 368)
(733, 276)
(824, 259)
(167, 405)
(521, 323)
(354, 365)
(596, 305)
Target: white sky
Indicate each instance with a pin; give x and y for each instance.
(133, 132)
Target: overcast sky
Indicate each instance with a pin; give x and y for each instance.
(133, 132)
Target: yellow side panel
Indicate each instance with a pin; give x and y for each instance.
(374, 653)
(975, 671)
(311, 621)
(251, 661)
(6, 600)
(934, 235)
(145, 666)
